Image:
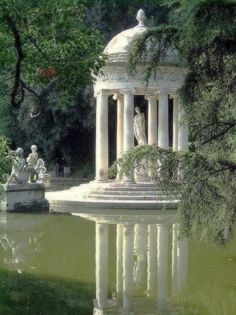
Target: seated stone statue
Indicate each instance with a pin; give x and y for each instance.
(21, 173)
(40, 167)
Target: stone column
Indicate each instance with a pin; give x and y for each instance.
(128, 119)
(120, 126)
(152, 260)
(128, 141)
(182, 263)
(119, 260)
(175, 123)
(119, 129)
(152, 119)
(128, 262)
(183, 129)
(101, 264)
(163, 122)
(102, 136)
(174, 258)
(162, 266)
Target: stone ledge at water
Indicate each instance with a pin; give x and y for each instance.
(24, 197)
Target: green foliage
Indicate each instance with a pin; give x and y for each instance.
(52, 36)
(61, 43)
(86, 170)
(27, 294)
(202, 33)
(161, 164)
(4, 163)
(47, 53)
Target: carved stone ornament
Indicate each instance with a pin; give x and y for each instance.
(124, 77)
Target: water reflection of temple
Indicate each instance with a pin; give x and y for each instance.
(150, 258)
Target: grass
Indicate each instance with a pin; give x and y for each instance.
(23, 294)
(208, 300)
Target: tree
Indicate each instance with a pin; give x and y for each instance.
(46, 40)
(47, 52)
(203, 34)
(4, 163)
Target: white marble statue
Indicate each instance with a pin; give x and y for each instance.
(21, 173)
(40, 167)
(139, 127)
(33, 156)
(34, 160)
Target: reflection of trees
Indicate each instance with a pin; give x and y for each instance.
(20, 241)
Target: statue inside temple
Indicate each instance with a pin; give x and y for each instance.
(139, 127)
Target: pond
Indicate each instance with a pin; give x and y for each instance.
(48, 266)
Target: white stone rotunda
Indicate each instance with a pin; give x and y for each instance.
(115, 81)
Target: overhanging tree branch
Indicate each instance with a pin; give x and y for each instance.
(20, 57)
(230, 126)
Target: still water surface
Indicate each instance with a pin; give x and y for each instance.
(47, 266)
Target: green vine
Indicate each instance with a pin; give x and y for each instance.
(161, 165)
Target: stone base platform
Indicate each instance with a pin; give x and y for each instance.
(112, 195)
(21, 198)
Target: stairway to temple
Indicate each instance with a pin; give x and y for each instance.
(131, 192)
(114, 194)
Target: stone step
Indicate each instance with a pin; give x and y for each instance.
(138, 189)
(131, 193)
(127, 197)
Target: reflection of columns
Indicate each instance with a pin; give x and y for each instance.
(101, 264)
(152, 119)
(174, 257)
(183, 130)
(119, 260)
(163, 120)
(102, 136)
(162, 265)
(152, 260)
(182, 263)
(175, 123)
(120, 126)
(128, 243)
(140, 251)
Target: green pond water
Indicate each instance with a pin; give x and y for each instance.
(47, 266)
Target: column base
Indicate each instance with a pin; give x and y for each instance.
(101, 180)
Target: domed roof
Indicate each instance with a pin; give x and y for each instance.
(121, 43)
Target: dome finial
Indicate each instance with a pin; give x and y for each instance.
(141, 17)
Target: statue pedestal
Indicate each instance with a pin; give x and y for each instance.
(24, 197)
(141, 173)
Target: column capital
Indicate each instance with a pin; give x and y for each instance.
(166, 225)
(127, 91)
(103, 92)
(116, 96)
(150, 97)
(164, 90)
